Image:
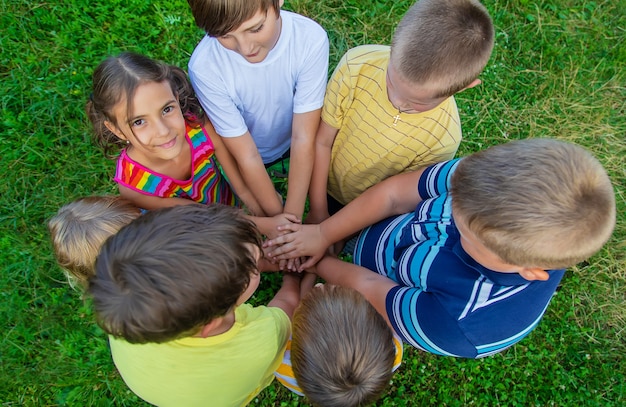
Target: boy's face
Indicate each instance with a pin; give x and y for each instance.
(254, 38)
(485, 257)
(406, 96)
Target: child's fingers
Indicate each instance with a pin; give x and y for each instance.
(311, 261)
(280, 240)
(291, 227)
(286, 251)
(292, 218)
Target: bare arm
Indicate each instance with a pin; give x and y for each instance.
(253, 172)
(372, 285)
(228, 163)
(150, 202)
(288, 297)
(319, 180)
(393, 196)
(302, 154)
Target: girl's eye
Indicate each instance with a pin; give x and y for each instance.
(168, 109)
(256, 30)
(138, 122)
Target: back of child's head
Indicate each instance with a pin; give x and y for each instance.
(172, 271)
(80, 228)
(342, 350)
(219, 17)
(117, 78)
(535, 202)
(443, 44)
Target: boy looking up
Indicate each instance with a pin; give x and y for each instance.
(392, 110)
(473, 265)
(260, 73)
(170, 290)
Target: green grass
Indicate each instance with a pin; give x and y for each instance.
(558, 70)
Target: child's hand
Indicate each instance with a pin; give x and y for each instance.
(279, 220)
(298, 241)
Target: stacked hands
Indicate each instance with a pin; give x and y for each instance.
(296, 247)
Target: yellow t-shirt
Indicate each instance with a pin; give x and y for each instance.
(368, 147)
(224, 370)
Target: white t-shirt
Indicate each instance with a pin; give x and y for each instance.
(240, 96)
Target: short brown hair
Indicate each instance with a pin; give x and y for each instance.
(80, 228)
(219, 17)
(342, 350)
(443, 43)
(172, 271)
(535, 202)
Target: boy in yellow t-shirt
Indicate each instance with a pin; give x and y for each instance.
(389, 110)
(170, 290)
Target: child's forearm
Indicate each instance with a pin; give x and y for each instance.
(298, 181)
(288, 297)
(302, 155)
(319, 178)
(262, 188)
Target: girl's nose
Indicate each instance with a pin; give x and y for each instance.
(162, 128)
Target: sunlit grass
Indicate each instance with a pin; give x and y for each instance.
(557, 71)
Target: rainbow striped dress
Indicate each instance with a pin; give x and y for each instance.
(206, 184)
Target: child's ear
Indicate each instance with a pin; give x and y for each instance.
(474, 83)
(532, 274)
(114, 129)
(208, 328)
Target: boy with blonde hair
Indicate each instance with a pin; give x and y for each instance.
(389, 110)
(80, 228)
(471, 269)
(260, 74)
(342, 351)
(170, 290)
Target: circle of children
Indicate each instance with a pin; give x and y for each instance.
(454, 256)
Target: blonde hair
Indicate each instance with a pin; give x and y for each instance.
(80, 228)
(219, 17)
(536, 202)
(342, 350)
(444, 44)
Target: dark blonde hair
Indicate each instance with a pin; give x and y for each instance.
(172, 271)
(536, 202)
(342, 350)
(219, 17)
(446, 43)
(80, 228)
(118, 77)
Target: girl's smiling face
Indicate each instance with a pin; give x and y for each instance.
(154, 125)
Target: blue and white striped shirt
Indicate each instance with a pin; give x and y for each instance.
(445, 302)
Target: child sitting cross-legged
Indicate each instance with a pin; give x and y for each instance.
(170, 290)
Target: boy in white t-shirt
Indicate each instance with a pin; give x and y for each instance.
(260, 74)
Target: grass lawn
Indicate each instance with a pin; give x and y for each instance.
(558, 70)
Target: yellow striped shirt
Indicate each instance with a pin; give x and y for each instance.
(368, 147)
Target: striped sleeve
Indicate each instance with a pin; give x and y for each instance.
(435, 180)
